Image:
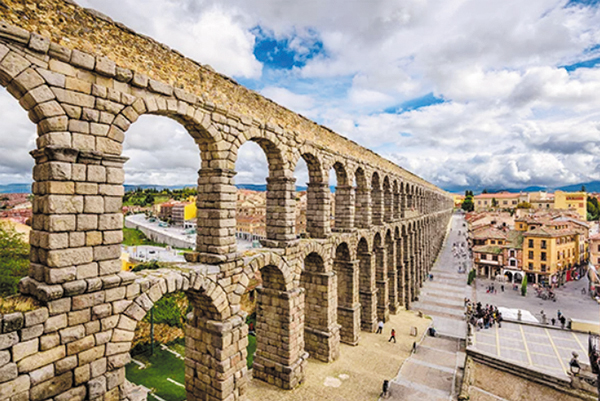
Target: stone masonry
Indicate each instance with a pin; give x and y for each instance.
(84, 80)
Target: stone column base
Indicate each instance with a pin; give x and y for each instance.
(368, 311)
(323, 345)
(286, 377)
(349, 318)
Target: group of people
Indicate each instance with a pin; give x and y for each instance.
(560, 318)
(460, 253)
(482, 317)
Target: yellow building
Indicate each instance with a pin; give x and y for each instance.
(571, 201)
(500, 200)
(458, 200)
(549, 252)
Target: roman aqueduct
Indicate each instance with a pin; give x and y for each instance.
(84, 80)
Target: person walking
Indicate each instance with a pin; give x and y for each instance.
(379, 327)
(393, 336)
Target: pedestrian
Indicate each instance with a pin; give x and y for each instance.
(562, 321)
(502, 287)
(379, 327)
(393, 336)
(553, 321)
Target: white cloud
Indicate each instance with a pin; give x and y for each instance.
(511, 115)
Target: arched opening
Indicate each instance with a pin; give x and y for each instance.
(252, 170)
(403, 197)
(392, 273)
(407, 262)
(17, 194)
(396, 201)
(400, 271)
(343, 200)
(381, 279)
(387, 200)
(348, 295)
(367, 287)
(362, 204)
(160, 197)
(376, 200)
(321, 330)
(312, 208)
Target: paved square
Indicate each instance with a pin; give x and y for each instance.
(547, 349)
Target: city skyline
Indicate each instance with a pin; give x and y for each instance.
(462, 94)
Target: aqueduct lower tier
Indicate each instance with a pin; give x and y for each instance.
(84, 80)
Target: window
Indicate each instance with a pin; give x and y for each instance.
(493, 242)
(557, 255)
(530, 254)
(514, 202)
(511, 253)
(505, 202)
(514, 262)
(598, 260)
(495, 257)
(598, 248)
(531, 243)
(530, 266)
(543, 268)
(543, 255)
(543, 244)
(479, 202)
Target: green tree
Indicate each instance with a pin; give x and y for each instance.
(494, 202)
(583, 188)
(485, 191)
(471, 277)
(524, 286)
(468, 205)
(14, 259)
(524, 205)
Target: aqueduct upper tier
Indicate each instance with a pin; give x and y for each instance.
(84, 80)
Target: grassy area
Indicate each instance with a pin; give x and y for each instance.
(159, 367)
(134, 237)
(251, 350)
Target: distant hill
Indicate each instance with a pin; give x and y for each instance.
(593, 186)
(15, 188)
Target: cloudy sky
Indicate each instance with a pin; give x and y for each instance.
(479, 93)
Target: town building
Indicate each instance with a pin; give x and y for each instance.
(500, 200)
(571, 201)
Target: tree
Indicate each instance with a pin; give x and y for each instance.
(494, 202)
(468, 205)
(524, 285)
(471, 277)
(485, 191)
(583, 188)
(524, 205)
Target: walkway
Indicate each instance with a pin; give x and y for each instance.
(434, 371)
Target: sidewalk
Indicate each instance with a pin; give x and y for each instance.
(434, 371)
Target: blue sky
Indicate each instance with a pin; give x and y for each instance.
(479, 93)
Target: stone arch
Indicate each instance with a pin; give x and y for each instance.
(395, 200)
(381, 277)
(376, 199)
(367, 287)
(347, 292)
(387, 200)
(205, 327)
(392, 273)
(362, 204)
(280, 214)
(260, 261)
(317, 195)
(344, 199)
(321, 330)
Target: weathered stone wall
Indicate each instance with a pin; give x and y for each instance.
(84, 80)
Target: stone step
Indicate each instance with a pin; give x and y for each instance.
(407, 391)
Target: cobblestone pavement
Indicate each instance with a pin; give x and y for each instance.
(433, 372)
(544, 348)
